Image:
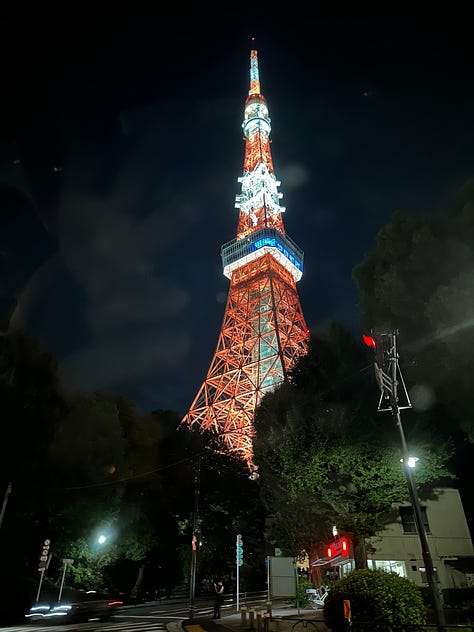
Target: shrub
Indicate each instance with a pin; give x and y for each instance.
(303, 585)
(375, 596)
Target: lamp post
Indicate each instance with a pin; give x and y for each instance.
(387, 371)
(194, 540)
(5, 501)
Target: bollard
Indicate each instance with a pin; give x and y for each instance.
(251, 618)
(259, 620)
(269, 607)
(266, 622)
(243, 616)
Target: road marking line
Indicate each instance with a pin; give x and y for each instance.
(137, 616)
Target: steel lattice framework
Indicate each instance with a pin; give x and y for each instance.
(263, 330)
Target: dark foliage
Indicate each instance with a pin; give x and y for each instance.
(376, 597)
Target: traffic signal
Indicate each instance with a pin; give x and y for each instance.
(369, 341)
(239, 550)
(387, 370)
(381, 344)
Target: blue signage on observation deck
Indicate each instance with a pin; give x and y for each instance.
(265, 237)
(275, 243)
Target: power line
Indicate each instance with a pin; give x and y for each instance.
(130, 478)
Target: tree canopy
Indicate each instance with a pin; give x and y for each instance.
(418, 279)
(90, 464)
(325, 454)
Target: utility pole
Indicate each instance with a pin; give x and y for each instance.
(5, 501)
(387, 372)
(194, 542)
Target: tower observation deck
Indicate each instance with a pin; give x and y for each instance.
(263, 330)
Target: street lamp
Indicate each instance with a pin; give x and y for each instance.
(411, 461)
(101, 539)
(388, 374)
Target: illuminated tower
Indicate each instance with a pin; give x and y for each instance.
(263, 331)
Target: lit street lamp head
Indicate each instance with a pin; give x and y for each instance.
(411, 461)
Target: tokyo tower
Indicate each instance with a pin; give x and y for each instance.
(263, 330)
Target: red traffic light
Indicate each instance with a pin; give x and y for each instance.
(369, 341)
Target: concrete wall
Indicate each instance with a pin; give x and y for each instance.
(449, 537)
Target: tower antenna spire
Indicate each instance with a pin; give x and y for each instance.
(254, 74)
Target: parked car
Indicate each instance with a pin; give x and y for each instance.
(89, 605)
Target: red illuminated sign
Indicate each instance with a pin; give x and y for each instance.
(338, 547)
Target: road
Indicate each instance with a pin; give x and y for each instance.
(149, 617)
(143, 618)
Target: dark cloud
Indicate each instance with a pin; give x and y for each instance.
(111, 361)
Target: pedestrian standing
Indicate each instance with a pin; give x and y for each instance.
(219, 599)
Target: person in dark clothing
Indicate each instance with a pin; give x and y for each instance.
(219, 600)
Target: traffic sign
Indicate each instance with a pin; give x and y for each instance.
(43, 561)
(239, 550)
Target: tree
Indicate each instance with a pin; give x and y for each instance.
(80, 463)
(229, 504)
(33, 401)
(418, 279)
(319, 441)
(107, 462)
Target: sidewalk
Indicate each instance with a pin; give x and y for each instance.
(282, 620)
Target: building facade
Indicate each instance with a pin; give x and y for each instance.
(397, 548)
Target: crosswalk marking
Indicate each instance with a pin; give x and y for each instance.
(138, 616)
(90, 626)
(131, 625)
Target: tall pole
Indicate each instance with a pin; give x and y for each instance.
(39, 585)
(238, 586)
(239, 559)
(5, 500)
(415, 501)
(62, 582)
(194, 544)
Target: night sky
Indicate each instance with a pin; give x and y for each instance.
(121, 145)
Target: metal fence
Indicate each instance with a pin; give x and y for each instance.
(270, 623)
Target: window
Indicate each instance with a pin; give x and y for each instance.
(345, 568)
(389, 566)
(408, 519)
